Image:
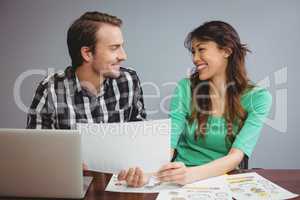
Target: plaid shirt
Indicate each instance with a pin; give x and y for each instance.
(60, 102)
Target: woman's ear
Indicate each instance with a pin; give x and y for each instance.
(86, 54)
(227, 52)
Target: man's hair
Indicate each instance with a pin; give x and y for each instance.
(82, 33)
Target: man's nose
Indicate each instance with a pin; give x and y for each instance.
(122, 54)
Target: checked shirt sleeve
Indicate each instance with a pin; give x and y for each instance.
(138, 112)
(40, 113)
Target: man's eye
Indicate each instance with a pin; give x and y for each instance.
(201, 49)
(193, 52)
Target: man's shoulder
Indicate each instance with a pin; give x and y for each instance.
(127, 73)
(129, 70)
(56, 77)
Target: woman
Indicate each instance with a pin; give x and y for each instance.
(216, 113)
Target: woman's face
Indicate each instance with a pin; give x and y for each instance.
(210, 60)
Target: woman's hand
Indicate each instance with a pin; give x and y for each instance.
(175, 172)
(134, 177)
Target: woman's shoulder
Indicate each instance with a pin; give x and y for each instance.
(183, 85)
(256, 91)
(256, 95)
(184, 82)
(183, 89)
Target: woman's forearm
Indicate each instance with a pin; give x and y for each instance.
(218, 167)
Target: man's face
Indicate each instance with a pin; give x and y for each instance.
(109, 52)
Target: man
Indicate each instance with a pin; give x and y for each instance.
(95, 89)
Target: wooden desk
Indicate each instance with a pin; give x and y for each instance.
(288, 179)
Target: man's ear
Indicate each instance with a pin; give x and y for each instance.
(86, 54)
(227, 52)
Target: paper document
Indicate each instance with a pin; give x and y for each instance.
(209, 189)
(247, 186)
(120, 186)
(87, 180)
(111, 147)
(253, 186)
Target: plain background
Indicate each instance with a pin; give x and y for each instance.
(33, 37)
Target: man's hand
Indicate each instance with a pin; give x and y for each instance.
(85, 167)
(134, 177)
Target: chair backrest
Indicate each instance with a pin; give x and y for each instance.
(244, 163)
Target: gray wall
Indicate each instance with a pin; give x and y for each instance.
(33, 37)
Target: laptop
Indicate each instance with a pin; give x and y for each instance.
(41, 163)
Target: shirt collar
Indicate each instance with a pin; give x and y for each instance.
(70, 72)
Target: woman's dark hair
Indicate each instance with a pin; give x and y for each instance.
(237, 81)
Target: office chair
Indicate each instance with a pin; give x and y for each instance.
(244, 163)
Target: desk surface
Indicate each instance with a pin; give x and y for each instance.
(288, 179)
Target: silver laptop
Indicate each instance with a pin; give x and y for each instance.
(41, 163)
